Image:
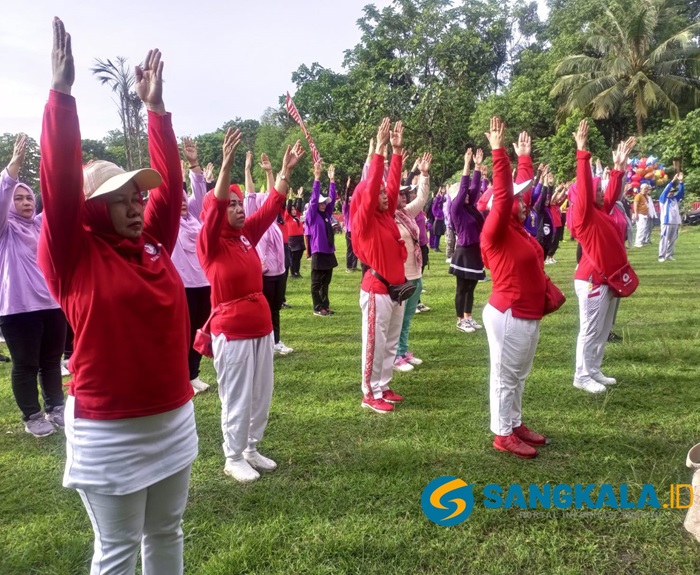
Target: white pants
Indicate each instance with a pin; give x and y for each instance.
(381, 327)
(596, 305)
(667, 245)
(151, 518)
(650, 227)
(642, 225)
(512, 345)
(245, 374)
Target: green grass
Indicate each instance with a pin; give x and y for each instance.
(346, 496)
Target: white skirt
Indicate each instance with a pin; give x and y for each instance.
(121, 456)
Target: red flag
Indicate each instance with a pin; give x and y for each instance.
(294, 113)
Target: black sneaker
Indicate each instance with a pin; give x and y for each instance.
(285, 305)
(614, 338)
(322, 313)
(329, 311)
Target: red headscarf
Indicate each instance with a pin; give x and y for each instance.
(209, 200)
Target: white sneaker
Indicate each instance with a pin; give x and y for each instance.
(241, 471)
(412, 359)
(198, 385)
(64, 368)
(401, 364)
(259, 462)
(448, 260)
(282, 349)
(590, 386)
(465, 326)
(422, 307)
(472, 322)
(553, 260)
(603, 380)
(423, 291)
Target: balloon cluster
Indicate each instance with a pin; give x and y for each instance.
(646, 171)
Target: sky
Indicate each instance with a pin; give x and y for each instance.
(223, 58)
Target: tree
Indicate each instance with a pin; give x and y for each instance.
(120, 78)
(628, 59)
(29, 174)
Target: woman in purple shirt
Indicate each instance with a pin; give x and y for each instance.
(467, 265)
(32, 323)
(439, 214)
(184, 257)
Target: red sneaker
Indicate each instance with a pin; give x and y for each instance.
(512, 444)
(378, 405)
(391, 396)
(530, 437)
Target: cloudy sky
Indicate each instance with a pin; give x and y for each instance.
(223, 58)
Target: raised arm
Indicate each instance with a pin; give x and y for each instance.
(364, 206)
(681, 187)
(393, 182)
(249, 184)
(63, 237)
(423, 165)
(584, 204)
(332, 187)
(502, 208)
(614, 188)
(10, 179)
(162, 213)
(475, 187)
(312, 213)
(197, 178)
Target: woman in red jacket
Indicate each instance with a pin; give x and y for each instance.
(130, 429)
(241, 323)
(516, 306)
(378, 245)
(294, 223)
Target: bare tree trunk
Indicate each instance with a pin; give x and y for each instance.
(640, 126)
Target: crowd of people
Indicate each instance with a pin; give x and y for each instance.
(148, 278)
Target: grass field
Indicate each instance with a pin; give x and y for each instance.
(346, 496)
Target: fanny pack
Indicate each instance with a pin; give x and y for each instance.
(553, 296)
(397, 292)
(623, 282)
(202, 339)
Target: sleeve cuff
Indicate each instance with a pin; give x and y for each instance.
(61, 100)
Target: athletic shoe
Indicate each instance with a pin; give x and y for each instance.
(282, 349)
(472, 322)
(423, 291)
(464, 326)
(670, 259)
(241, 471)
(512, 444)
(391, 396)
(638, 246)
(661, 260)
(378, 405)
(448, 260)
(329, 311)
(553, 260)
(422, 307)
(412, 359)
(486, 279)
(590, 386)
(548, 261)
(614, 338)
(417, 311)
(401, 364)
(285, 305)
(38, 425)
(4, 359)
(259, 462)
(64, 372)
(530, 437)
(600, 378)
(55, 416)
(198, 385)
(322, 313)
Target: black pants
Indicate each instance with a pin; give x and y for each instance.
(36, 340)
(274, 288)
(350, 257)
(320, 280)
(296, 262)
(558, 236)
(464, 297)
(68, 349)
(199, 306)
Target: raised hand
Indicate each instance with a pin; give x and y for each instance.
(550, 179)
(300, 193)
(248, 161)
(383, 135)
(317, 171)
(265, 163)
(149, 82)
(209, 173)
(495, 135)
(232, 139)
(62, 59)
(581, 136)
(292, 157)
(347, 186)
(479, 158)
(331, 173)
(524, 145)
(18, 154)
(370, 152)
(183, 167)
(189, 150)
(424, 163)
(681, 176)
(397, 138)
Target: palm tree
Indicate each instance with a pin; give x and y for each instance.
(120, 78)
(628, 61)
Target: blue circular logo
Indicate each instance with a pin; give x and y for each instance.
(447, 501)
